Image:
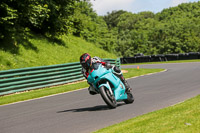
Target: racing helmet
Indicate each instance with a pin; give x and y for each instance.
(86, 61)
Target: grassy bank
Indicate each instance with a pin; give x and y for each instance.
(65, 88)
(181, 118)
(39, 51)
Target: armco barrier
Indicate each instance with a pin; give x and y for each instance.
(17, 80)
(194, 55)
(171, 57)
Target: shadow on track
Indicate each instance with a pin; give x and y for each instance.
(95, 108)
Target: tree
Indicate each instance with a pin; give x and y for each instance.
(111, 19)
(50, 18)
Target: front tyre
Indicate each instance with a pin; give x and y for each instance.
(107, 97)
(130, 98)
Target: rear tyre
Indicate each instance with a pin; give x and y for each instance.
(107, 97)
(130, 98)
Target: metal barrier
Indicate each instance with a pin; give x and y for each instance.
(16, 80)
(153, 58)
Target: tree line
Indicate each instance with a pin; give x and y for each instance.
(173, 30)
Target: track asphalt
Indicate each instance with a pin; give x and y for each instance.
(79, 112)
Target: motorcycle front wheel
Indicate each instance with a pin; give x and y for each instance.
(107, 97)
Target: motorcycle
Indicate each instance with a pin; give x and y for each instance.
(110, 87)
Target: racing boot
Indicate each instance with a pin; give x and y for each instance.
(127, 86)
(121, 77)
(119, 74)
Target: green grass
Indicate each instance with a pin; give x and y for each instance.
(176, 61)
(40, 93)
(181, 118)
(64, 88)
(138, 72)
(41, 52)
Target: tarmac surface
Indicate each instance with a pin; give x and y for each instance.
(79, 112)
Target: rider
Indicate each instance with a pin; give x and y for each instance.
(87, 65)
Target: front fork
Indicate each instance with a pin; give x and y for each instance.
(109, 88)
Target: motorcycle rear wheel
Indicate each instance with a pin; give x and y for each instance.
(107, 97)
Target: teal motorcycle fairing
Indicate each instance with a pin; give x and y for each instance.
(101, 76)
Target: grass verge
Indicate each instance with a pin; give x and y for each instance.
(180, 118)
(132, 72)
